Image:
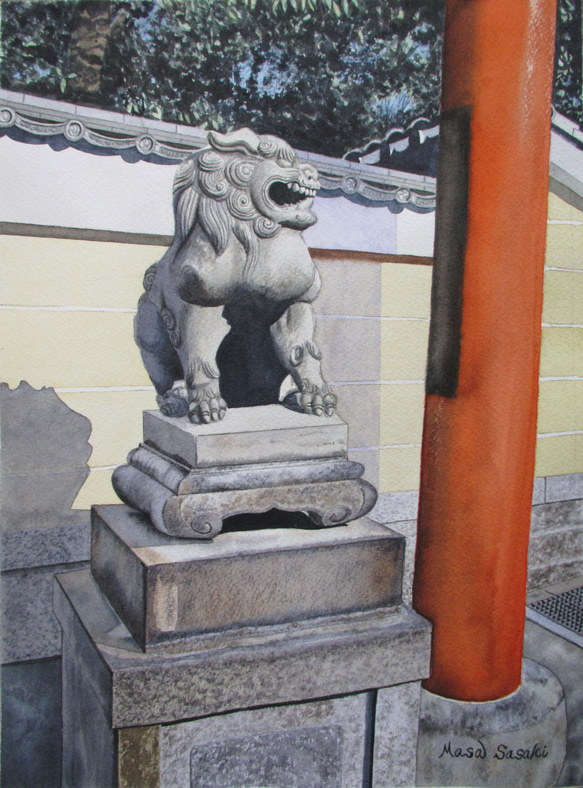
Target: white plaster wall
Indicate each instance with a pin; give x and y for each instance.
(70, 188)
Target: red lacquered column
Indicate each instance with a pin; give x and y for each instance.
(482, 379)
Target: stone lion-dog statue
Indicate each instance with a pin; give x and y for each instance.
(226, 314)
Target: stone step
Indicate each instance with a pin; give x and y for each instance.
(164, 588)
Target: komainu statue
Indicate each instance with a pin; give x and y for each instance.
(226, 315)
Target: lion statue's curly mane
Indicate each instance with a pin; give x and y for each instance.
(226, 315)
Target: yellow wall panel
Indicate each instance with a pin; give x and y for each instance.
(559, 455)
(559, 209)
(565, 245)
(403, 350)
(62, 272)
(399, 469)
(563, 297)
(406, 290)
(116, 421)
(562, 352)
(96, 490)
(69, 349)
(401, 413)
(560, 406)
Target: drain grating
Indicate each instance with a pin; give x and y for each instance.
(564, 609)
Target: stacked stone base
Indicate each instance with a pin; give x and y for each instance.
(255, 659)
(189, 478)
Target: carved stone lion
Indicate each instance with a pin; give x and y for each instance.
(226, 315)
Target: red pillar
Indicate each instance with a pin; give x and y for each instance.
(482, 383)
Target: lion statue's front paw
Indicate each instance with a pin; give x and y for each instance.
(314, 399)
(174, 402)
(206, 405)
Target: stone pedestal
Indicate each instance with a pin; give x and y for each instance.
(254, 659)
(189, 477)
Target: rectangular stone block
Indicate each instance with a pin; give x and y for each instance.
(164, 587)
(308, 745)
(239, 669)
(268, 433)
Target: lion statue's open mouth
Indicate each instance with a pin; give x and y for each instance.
(226, 314)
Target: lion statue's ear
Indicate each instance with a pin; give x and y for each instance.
(242, 141)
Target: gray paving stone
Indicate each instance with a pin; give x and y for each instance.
(564, 488)
(538, 490)
(59, 544)
(29, 627)
(164, 587)
(247, 435)
(240, 668)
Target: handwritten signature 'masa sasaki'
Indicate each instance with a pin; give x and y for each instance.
(501, 751)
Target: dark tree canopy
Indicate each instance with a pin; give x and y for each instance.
(327, 75)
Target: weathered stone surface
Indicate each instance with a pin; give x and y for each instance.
(237, 669)
(538, 490)
(395, 744)
(556, 543)
(31, 724)
(89, 758)
(139, 757)
(519, 740)
(556, 516)
(564, 488)
(565, 660)
(29, 627)
(163, 587)
(268, 433)
(60, 544)
(307, 745)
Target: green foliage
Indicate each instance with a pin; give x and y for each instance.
(325, 74)
(568, 87)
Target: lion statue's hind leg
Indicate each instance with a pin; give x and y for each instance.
(161, 360)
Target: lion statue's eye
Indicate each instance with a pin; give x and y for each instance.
(284, 163)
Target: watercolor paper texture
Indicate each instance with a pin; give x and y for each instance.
(86, 209)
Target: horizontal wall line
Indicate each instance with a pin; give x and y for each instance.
(67, 308)
(559, 268)
(375, 317)
(81, 234)
(375, 382)
(146, 239)
(388, 446)
(550, 379)
(576, 222)
(562, 325)
(99, 389)
(559, 434)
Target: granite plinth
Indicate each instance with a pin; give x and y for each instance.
(267, 433)
(236, 669)
(165, 588)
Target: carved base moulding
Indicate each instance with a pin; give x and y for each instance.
(313, 475)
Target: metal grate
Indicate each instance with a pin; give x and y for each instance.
(564, 609)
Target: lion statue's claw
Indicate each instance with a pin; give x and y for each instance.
(315, 401)
(205, 411)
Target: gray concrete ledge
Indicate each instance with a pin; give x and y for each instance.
(32, 547)
(238, 669)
